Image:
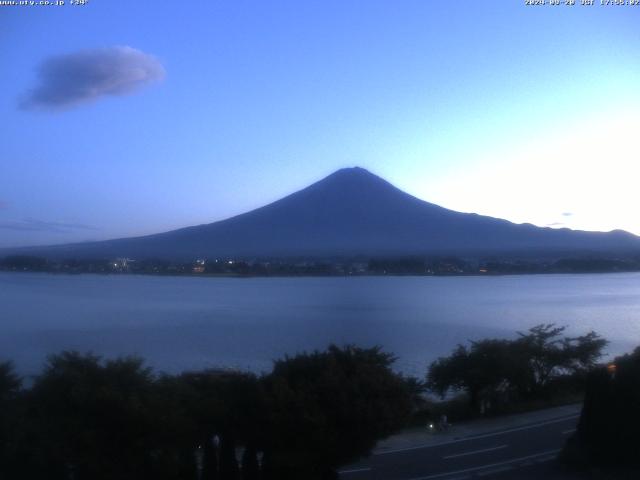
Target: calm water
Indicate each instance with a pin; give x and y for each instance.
(180, 323)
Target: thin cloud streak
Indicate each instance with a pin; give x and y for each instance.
(34, 225)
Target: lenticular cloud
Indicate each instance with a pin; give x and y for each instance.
(69, 80)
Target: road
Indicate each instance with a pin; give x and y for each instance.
(481, 456)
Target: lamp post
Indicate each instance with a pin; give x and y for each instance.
(215, 443)
(71, 471)
(260, 457)
(239, 455)
(199, 456)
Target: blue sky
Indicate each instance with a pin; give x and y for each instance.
(525, 113)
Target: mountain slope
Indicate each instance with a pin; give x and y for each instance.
(350, 212)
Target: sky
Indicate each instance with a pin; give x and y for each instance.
(124, 118)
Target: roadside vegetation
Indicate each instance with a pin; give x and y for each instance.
(84, 417)
(89, 418)
(539, 368)
(606, 443)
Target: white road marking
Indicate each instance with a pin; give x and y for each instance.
(355, 470)
(491, 465)
(486, 435)
(544, 459)
(567, 432)
(493, 471)
(475, 451)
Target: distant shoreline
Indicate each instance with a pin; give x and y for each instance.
(368, 275)
(443, 266)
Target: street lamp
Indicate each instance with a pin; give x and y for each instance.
(260, 457)
(199, 456)
(239, 455)
(215, 443)
(71, 471)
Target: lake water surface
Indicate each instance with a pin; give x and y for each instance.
(180, 323)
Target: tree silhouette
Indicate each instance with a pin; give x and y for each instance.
(329, 408)
(494, 369)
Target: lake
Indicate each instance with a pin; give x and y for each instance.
(180, 323)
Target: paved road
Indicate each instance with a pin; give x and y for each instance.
(480, 456)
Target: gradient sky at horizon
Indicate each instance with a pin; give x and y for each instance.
(526, 113)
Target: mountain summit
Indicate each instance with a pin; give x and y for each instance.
(350, 212)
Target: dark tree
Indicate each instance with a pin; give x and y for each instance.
(328, 408)
(495, 370)
(10, 385)
(90, 419)
(485, 371)
(607, 434)
(548, 354)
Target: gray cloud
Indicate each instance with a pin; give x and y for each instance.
(69, 80)
(567, 214)
(555, 224)
(34, 225)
